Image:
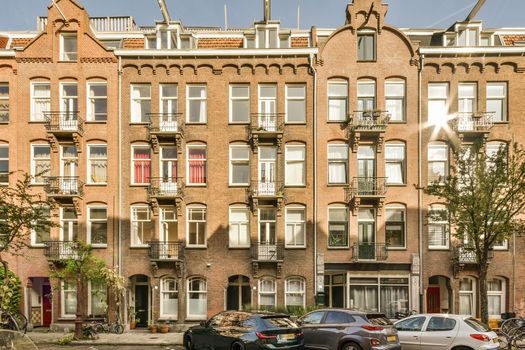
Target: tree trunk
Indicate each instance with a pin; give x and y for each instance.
(483, 298)
(78, 319)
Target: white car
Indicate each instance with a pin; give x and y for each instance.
(445, 332)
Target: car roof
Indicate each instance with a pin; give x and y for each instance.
(454, 316)
(352, 311)
(261, 313)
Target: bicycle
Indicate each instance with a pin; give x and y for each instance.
(109, 327)
(13, 320)
(513, 329)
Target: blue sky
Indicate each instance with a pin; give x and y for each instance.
(21, 14)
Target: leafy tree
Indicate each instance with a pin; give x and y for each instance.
(484, 196)
(12, 291)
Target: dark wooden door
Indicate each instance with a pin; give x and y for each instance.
(142, 304)
(433, 300)
(47, 313)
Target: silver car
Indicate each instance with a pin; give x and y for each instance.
(445, 332)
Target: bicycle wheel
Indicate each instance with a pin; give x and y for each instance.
(7, 321)
(21, 321)
(118, 328)
(99, 328)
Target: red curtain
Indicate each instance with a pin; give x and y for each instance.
(197, 166)
(142, 167)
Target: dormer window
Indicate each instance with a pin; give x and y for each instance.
(468, 37)
(485, 40)
(68, 47)
(267, 37)
(366, 46)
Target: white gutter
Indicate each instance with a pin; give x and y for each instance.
(214, 53)
(119, 168)
(422, 304)
(7, 53)
(471, 50)
(312, 67)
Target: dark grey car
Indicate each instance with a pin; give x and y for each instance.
(342, 329)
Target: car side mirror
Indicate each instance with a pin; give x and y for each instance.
(202, 323)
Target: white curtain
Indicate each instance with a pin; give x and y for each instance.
(364, 298)
(394, 299)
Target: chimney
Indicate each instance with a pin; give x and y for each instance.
(267, 10)
(164, 10)
(475, 10)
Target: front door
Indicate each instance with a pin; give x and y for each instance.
(433, 300)
(142, 304)
(267, 171)
(47, 314)
(238, 294)
(367, 235)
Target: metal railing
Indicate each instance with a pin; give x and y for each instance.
(369, 252)
(376, 121)
(473, 122)
(166, 123)
(101, 24)
(267, 251)
(366, 187)
(166, 187)
(67, 186)
(61, 250)
(64, 122)
(465, 254)
(166, 251)
(267, 189)
(267, 123)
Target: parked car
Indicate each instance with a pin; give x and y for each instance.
(444, 332)
(344, 329)
(237, 330)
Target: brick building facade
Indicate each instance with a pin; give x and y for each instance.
(259, 167)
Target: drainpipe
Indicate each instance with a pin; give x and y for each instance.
(420, 180)
(119, 168)
(314, 72)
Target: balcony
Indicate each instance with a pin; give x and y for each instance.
(166, 251)
(466, 255)
(472, 124)
(369, 252)
(267, 126)
(61, 250)
(267, 189)
(64, 187)
(366, 188)
(166, 188)
(267, 252)
(367, 125)
(64, 123)
(164, 126)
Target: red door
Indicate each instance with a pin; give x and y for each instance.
(433, 300)
(46, 306)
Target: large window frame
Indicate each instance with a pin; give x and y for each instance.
(395, 161)
(267, 296)
(69, 54)
(395, 99)
(97, 167)
(438, 106)
(338, 224)
(297, 100)
(4, 102)
(467, 292)
(169, 294)
(94, 222)
(192, 101)
(196, 168)
(140, 166)
(197, 291)
(437, 224)
(42, 234)
(239, 226)
(336, 160)
(366, 95)
(295, 159)
(242, 102)
(366, 46)
(68, 290)
(239, 162)
(168, 103)
(140, 224)
(337, 91)
(97, 299)
(438, 162)
(295, 289)
(40, 100)
(197, 226)
(295, 232)
(501, 98)
(496, 296)
(467, 97)
(97, 101)
(37, 162)
(140, 106)
(4, 164)
(396, 222)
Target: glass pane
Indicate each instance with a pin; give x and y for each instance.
(366, 89)
(169, 90)
(239, 215)
(366, 214)
(98, 213)
(42, 90)
(337, 152)
(337, 109)
(240, 110)
(339, 214)
(196, 91)
(240, 173)
(4, 152)
(495, 107)
(297, 215)
(240, 153)
(395, 214)
(295, 91)
(467, 90)
(338, 89)
(437, 90)
(295, 153)
(437, 153)
(4, 90)
(98, 90)
(496, 90)
(395, 152)
(169, 153)
(267, 91)
(141, 91)
(296, 111)
(240, 91)
(268, 153)
(395, 89)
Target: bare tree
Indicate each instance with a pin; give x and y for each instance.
(484, 196)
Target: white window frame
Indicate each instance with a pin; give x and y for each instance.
(442, 223)
(366, 33)
(267, 29)
(133, 159)
(189, 315)
(163, 291)
(437, 160)
(188, 160)
(404, 210)
(295, 225)
(90, 298)
(503, 98)
(467, 30)
(164, 220)
(501, 294)
(63, 298)
(189, 208)
(5, 100)
(443, 99)
(397, 161)
(238, 224)
(133, 220)
(273, 292)
(289, 162)
(341, 208)
(467, 100)
(242, 98)
(33, 233)
(289, 98)
(33, 168)
(200, 98)
(243, 161)
(365, 96)
(63, 54)
(288, 293)
(396, 98)
(90, 101)
(90, 222)
(90, 160)
(138, 100)
(46, 99)
(335, 97)
(63, 222)
(336, 161)
(472, 293)
(173, 100)
(5, 160)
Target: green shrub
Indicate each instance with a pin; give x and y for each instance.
(11, 294)
(65, 340)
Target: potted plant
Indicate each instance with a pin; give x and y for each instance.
(164, 327)
(152, 327)
(133, 323)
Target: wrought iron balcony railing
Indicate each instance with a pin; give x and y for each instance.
(267, 251)
(61, 250)
(369, 121)
(372, 187)
(64, 122)
(166, 251)
(166, 187)
(479, 122)
(267, 123)
(64, 186)
(267, 189)
(166, 123)
(369, 252)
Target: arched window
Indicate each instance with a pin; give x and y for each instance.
(337, 164)
(197, 298)
(267, 293)
(438, 227)
(395, 164)
(366, 95)
(467, 296)
(294, 294)
(395, 226)
(169, 298)
(496, 297)
(395, 99)
(437, 161)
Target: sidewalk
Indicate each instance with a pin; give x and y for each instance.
(135, 337)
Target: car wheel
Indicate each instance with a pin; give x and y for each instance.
(462, 348)
(237, 346)
(351, 346)
(188, 344)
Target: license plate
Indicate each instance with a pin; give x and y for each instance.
(391, 338)
(283, 338)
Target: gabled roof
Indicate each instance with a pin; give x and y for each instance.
(299, 41)
(3, 42)
(19, 43)
(511, 40)
(133, 43)
(220, 43)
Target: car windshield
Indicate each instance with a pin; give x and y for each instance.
(278, 322)
(480, 327)
(379, 319)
